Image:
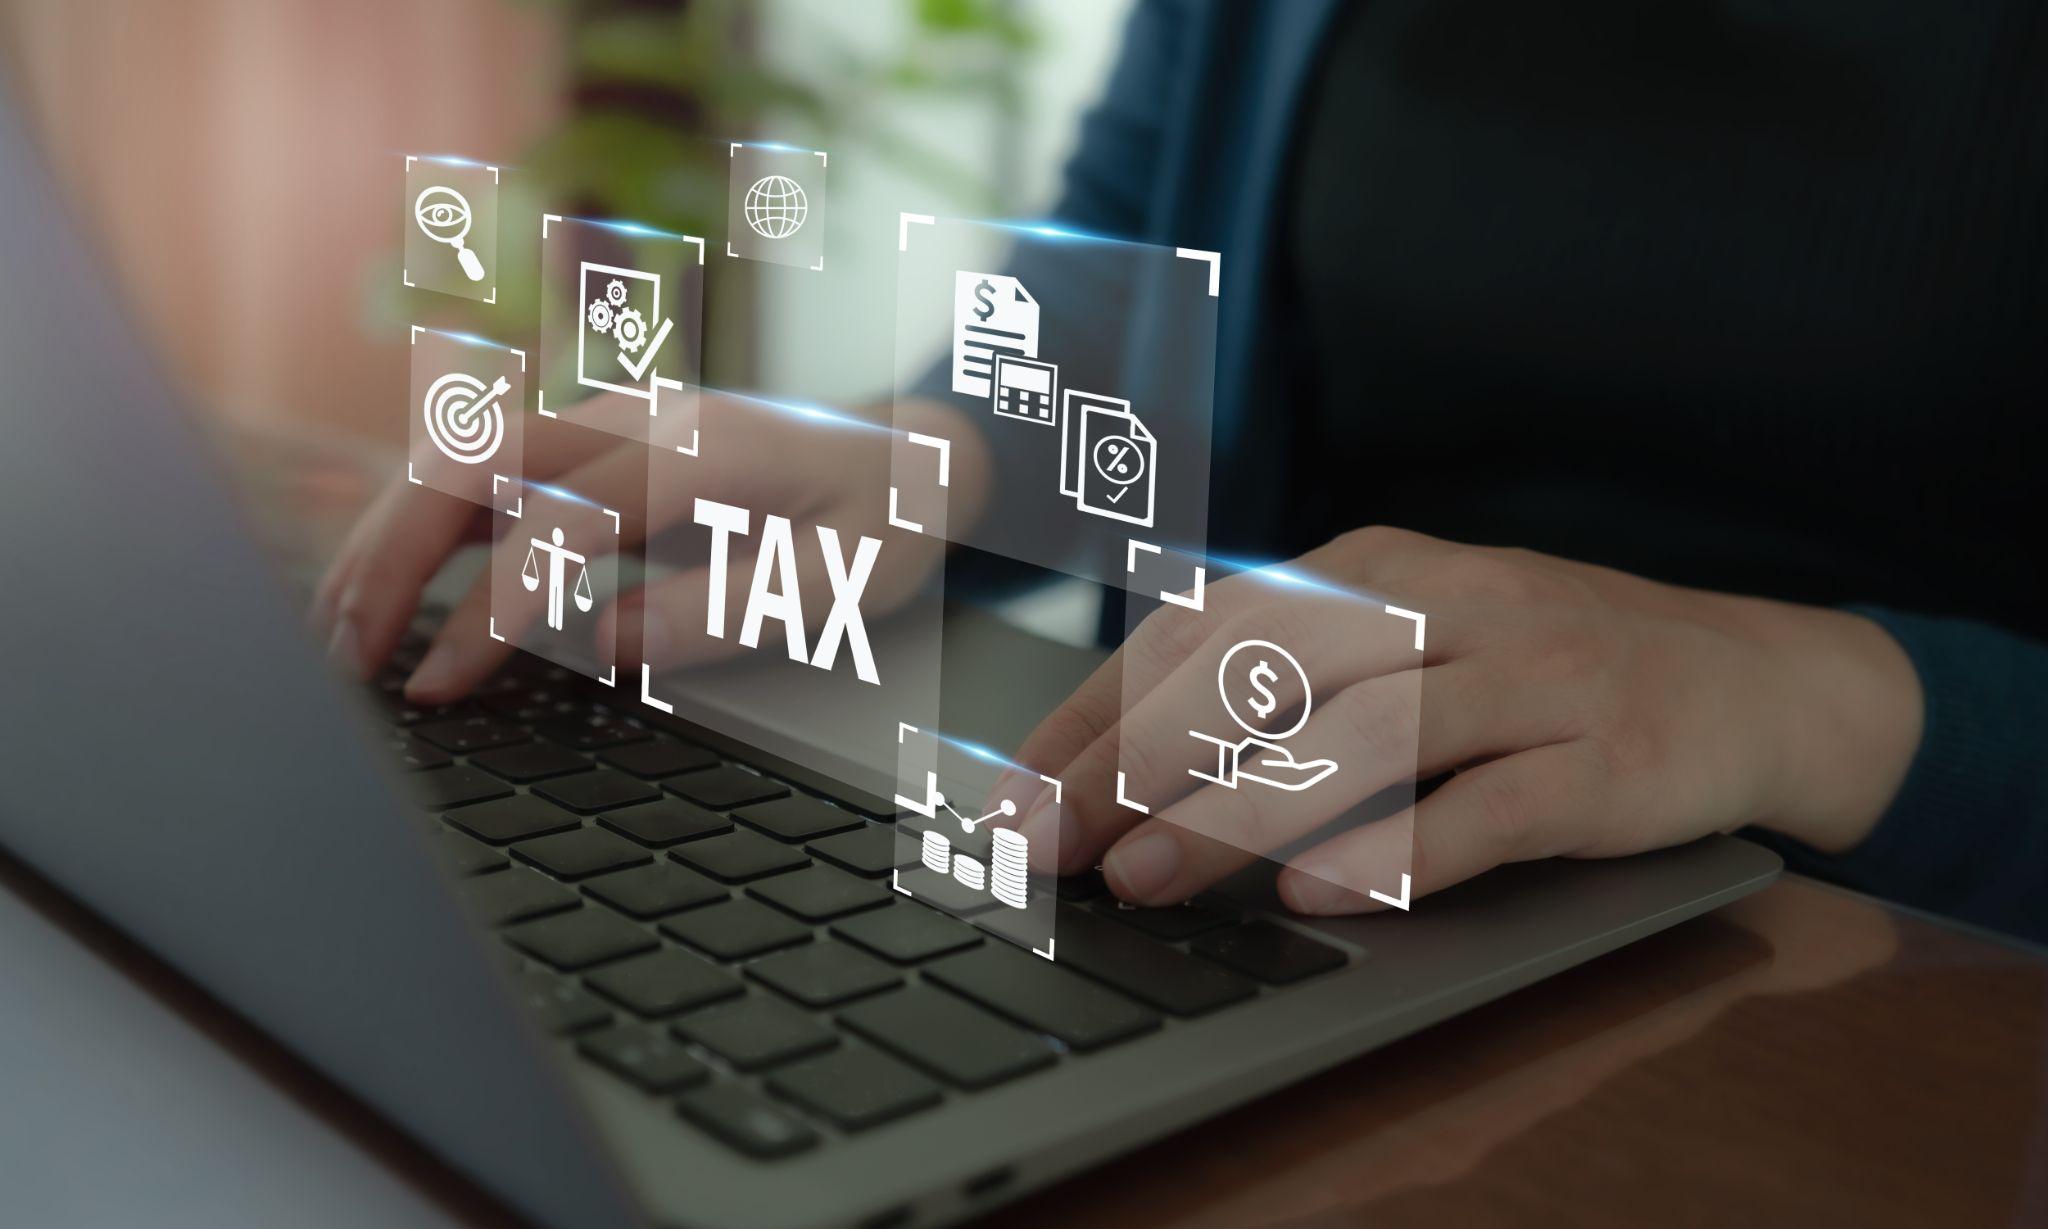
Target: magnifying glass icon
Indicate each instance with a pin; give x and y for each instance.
(443, 214)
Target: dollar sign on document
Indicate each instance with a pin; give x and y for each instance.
(983, 294)
(1262, 678)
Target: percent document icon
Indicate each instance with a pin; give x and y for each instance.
(465, 420)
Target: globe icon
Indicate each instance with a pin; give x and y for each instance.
(776, 207)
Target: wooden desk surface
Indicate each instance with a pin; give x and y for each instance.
(1802, 1056)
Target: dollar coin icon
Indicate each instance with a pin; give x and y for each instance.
(1252, 677)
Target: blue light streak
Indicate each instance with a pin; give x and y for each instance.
(984, 754)
(565, 494)
(639, 230)
(1288, 576)
(804, 410)
(467, 339)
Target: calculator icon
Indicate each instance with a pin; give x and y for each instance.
(1025, 388)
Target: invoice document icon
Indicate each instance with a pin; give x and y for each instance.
(1108, 459)
(992, 315)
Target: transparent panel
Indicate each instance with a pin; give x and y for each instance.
(780, 606)
(468, 417)
(960, 849)
(1276, 715)
(451, 226)
(776, 204)
(555, 570)
(1078, 379)
(622, 309)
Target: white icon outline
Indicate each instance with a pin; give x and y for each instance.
(559, 559)
(1234, 761)
(453, 406)
(993, 315)
(616, 316)
(1013, 377)
(767, 224)
(438, 221)
(1089, 423)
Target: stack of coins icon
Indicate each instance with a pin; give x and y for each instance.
(969, 872)
(938, 853)
(1009, 878)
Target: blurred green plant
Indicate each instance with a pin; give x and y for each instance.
(658, 87)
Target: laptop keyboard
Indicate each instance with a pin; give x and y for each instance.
(725, 938)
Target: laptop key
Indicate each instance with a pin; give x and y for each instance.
(467, 857)
(756, 1032)
(605, 789)
(736, 930)
(665, 822)
(1271, 953)
(1173, 923)
(468, 735)
(947, 1036)
(724, 787)
(738, 856)
(1086, 886)
(659, 757)
(746, 1122)
(820, 893)
(873, 806)
(579, 940)
(443, 789)
(869, 851)
(502, 821)
(580, 853)
(416, 756)
(516, 895)
(592, 731)
(563, 1006)
(907, 933)
(797, 818)
(1042, 996)
(649, 1060)
(404, 712)
(527, 762)
(825, 974)
(855, 1088)
(946, 892)
(663, 983)
(647, 892)
(1151, 972)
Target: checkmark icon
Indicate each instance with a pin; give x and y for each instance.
(639, 369)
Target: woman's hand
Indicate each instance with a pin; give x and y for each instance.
(1584, 712)
(768, 461)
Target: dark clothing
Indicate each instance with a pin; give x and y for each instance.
(1742, 295)
(1754, 304)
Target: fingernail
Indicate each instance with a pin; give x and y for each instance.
(1142, 869)
(345, 649)
(1306, 891)
(436, 674)
(1049, 832)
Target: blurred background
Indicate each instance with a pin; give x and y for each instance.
(242, 161)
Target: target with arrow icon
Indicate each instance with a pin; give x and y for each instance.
(466, 419)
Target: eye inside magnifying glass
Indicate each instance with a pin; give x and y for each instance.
(443, 216)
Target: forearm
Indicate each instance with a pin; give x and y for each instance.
(1965, 832)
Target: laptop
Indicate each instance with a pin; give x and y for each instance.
(618, 969)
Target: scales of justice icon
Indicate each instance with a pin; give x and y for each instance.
(559, 559)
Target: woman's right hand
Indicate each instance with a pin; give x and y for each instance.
(778, 462)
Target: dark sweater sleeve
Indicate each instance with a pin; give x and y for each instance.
(1967, 835)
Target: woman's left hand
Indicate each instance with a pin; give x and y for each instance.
(1584, 712)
